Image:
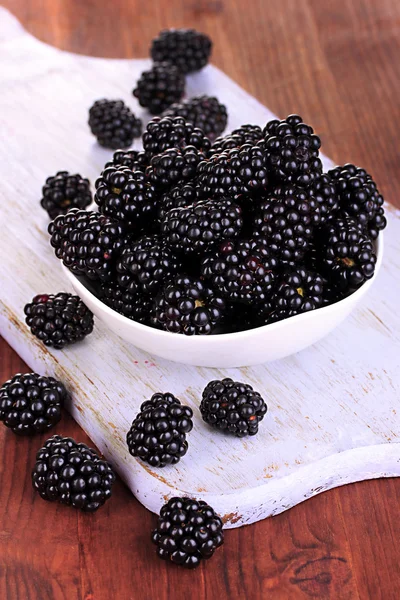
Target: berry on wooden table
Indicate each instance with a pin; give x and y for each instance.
(160, 87)
(113, 124)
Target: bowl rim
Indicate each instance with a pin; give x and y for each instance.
(207, 339)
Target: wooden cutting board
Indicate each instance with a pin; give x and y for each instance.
(334, 409)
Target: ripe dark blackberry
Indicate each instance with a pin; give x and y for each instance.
(323, 190)
(58, 319)
(286, 219)
(188, 49)
(31, 403)
(188, 531)
(205, 112)
(149, 262)
(87, 242)
(196, 228)
(348, 256)
(299, 290)
(126, 196)
(233, 407)
(359, 197)
(183, 194)
(244, 271)
(160, 87)
(173, 132)
(246, 134)
(133, 159)
(113, 123)
(158, 433)
(187, 305)
(173, 166)
(292, 150)
(72, 474)
(130, 300)
(236, 172)
(65, 191)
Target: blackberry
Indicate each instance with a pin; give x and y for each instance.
(244, 271)
(65, 191)
(73, 474)
(149, 262)
(286, 219)
(360, 198)
(158, 433)
(323, 190)
(173, 132)
(348, 256)
(87, 242)
(160, 87)
(130, 300)
(205, 112)
(188, 531)
(173, 166)
(126, 196)
(233, 407)
(246, 134)
(187, 305)
(188, 49)
(194, 229)
(58, 319)
(132, 159)
(183, 194)
(299, 290)
(292, 150)
(30, 403)
(114, 124)
(236, 172)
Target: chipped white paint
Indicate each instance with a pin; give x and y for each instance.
(334, 409)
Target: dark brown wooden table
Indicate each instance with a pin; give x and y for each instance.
(338, 65)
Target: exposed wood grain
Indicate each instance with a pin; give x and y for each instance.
(335, 64)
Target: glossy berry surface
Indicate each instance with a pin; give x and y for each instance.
(64, 191)
(188, 49)
(173, 166)
(173, 132)
(135, 160)
(129, 300)
(246, 134)
(113, 123)
(205, 112)
(298, 290)
(159, 87)
(181, 195)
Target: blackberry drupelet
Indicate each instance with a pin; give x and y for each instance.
(246, 134)
(87, 242)
(299, 290)
(292, 150)
(31, 403)
(129, 300)
(113, 124)
(205, 112)
(158, 433)
(323, 190)
(188, 49)
(242, 271)
(348, 256)
(58, 319)
(188, 531)
(183, 194)
(187, 305)
(173, 132)
(236, 172)
(286, 219)
(72, 474)
(360, 198)
(173, 166)
(65, 191)
(149, 262)
(135, 160)
(160, 87)
(126, 196)
(195, 229)
(233, 407)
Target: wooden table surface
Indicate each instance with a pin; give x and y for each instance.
(338, 65)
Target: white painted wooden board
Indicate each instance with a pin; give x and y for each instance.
(334, 409)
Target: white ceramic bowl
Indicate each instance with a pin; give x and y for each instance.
(245, 348)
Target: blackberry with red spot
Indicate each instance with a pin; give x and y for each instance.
(292, 150)
(188, 306)
(181, 195)
(87, 242)
(58, 319)
(158, 433)
(173, 166)
(64, 191)
(299, 290)
(246, 134)
(114, 124)
(134, 160)
(129, 300)
(31, 403)
(72, 474)
(195, 229)
(242, 271)
(159, 87)
(232, 407)
(205, 112)
(359, 197)
(188, 49)
(173, 132)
